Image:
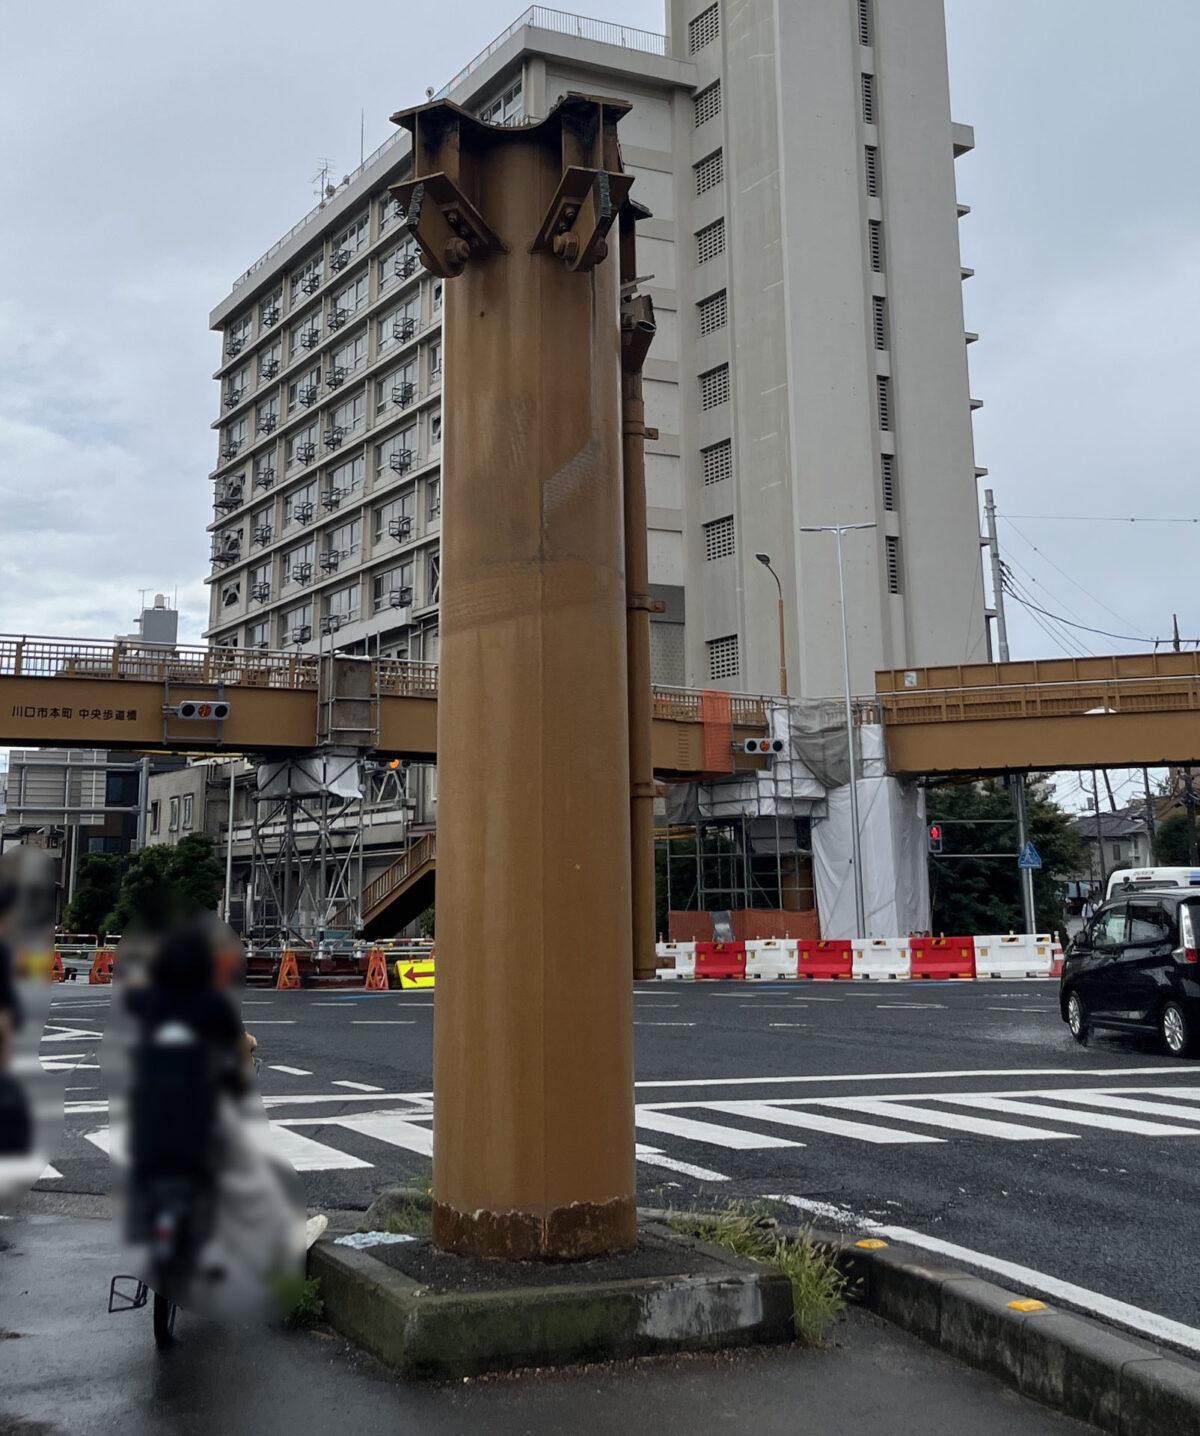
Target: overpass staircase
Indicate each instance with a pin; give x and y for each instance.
(399, 894)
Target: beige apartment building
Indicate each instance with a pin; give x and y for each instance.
(810, 366)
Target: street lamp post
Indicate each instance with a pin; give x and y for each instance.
(765, 560)
(860, 921)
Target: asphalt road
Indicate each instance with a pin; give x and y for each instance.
(958, 1114)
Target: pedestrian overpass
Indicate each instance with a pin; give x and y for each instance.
(1069, 713)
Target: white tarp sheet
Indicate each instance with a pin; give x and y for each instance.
(308, 777)
(892, 839)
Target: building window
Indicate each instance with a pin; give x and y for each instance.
(393, 588)
(298, 507)
(434, 489)
(188, 801)
(718, 539)
(883, 392)
(717, 461)
(269, 360)
(714, 387)
(258, 635)
(879, 322)
(707, 104)
(713, 313)
(155, 808)
(297, 623)
(704, 29)
(395, 519)
(307, 279)
(350, 414)
(435, 358)
(173, 824)
(1116, 852)
(865, 28)
(505, 109)
(342, 605)
(710, 241)
(351, 240)
(893, 563)
(722, 657)
(398, 453)
(399, 387)
(887, 469)
(875, 240)
(348, 477)
(304, 391)
(872, 165)
(435, 429)
(349, 298)
(350, 357)
(868, 99)
(433, 588)
(302, 446)
(709, 172)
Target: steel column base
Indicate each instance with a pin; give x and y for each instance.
(573, 1233)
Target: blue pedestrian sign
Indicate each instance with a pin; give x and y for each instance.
(1029, 857)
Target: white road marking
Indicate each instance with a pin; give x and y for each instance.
(952, 1121)
(382, 1022)
(69, 1034)
(1056, 1112)
(291, 1071)
(257, 1002)
(308, 1156)
(787, 1024)
(715, 1136)
(274, 1021)
(1175, 1070)
(1020, 1009)
(356, 1086)
(389, 1127)
(652, 1157)
(664, 1024)
(1114, 1103)
(818, 1122)
(940, 1006)
(1092, 1303)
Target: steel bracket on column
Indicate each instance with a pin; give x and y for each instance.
(447, 227)
(580, 215)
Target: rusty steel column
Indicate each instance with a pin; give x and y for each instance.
(533, 1051)
(637, 334)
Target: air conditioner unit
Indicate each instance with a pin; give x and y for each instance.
(262, 536)
(331, 623)
(301, 572)
(400, 528)
(309, 394)
(334, 436)
(302, 634)
(310, 338)
(270, 369)
(403, 394)
(271, 316)
(400, 597)
(404, 329)
(331, 498)
(311, 283)
(306, 452)
(234, 347)
(401, 460)
(267, 423)
(233, 397)
(336, 377)
(264, 479)
(228, 497)
(406, 266)
(303, 512)
(261, 592)
(337, 317)
(330, 560)
(229, 449)
(340, 259)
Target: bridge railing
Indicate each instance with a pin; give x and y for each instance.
(1043, 700)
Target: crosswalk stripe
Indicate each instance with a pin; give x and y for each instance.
(307, 1155)
(291, 1071)
(652, 1157)
(1056, 1112)
(387, 1127)
(952, 1121)
(819, 1122)
(716, 1136)
(1125, 1104)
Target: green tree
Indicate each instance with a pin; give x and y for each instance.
(1171, 842)
(164, 885)
(427, 921)
(97, 883)
(972, 892)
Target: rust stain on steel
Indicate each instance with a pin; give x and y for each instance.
(533, 1053)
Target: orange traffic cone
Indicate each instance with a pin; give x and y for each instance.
(289, 973)
(102, 968)
(58, 975)
(376, 972)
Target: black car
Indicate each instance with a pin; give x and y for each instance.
(1135, 966)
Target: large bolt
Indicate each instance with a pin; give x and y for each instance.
(457, 252)
(566, 246)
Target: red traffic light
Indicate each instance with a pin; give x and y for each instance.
(935, 833)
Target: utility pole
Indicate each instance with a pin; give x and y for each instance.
(1099, 831)
(1189, 792)
(1016, 780)
(1151, 825)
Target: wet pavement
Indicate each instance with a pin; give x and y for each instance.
(66, 1366)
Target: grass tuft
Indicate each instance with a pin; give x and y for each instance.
(818, 1287)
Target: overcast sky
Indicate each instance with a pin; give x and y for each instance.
(155, 148)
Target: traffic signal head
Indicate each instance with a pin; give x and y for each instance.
(935, 838)
(203, 710)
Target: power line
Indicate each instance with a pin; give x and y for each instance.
(1047, 559)
(1103, 632)
(1064, 638)
(1023, 592)
(1102, 519)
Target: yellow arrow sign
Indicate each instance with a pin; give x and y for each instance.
(415, 974)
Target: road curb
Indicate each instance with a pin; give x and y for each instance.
(1112, 1381)
(423, 1335)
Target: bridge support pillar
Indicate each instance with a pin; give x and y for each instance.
(533, 1061)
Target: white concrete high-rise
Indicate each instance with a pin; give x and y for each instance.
(810, 366)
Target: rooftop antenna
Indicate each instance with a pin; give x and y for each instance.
(362, 135)
(321, 179)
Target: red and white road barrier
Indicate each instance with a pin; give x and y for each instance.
(1011, 957)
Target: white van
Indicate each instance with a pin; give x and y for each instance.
(1135, 879)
